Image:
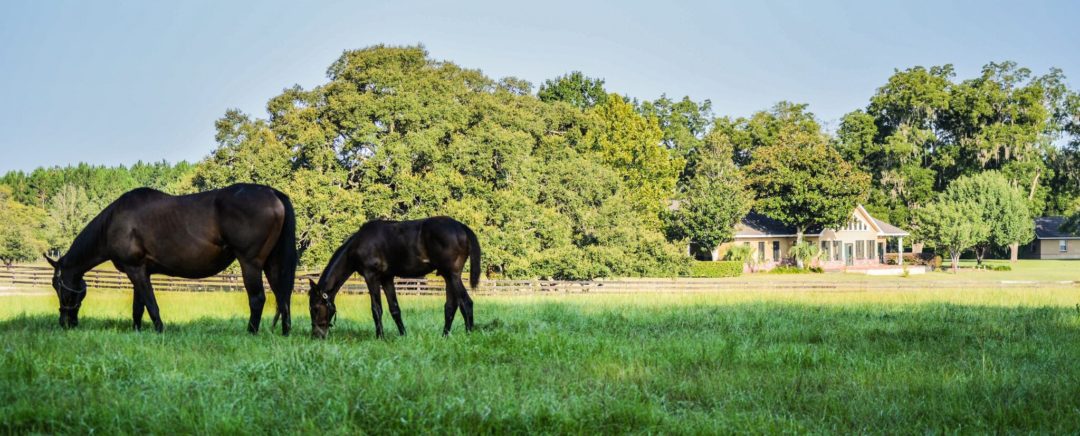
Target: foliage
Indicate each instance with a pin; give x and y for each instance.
(790, 269)
(551, 190)
(710, 203)
(684, 124)
(998, 204)
(923, 129)
(575, 89)
(716, 269)
(21, 233)
(739, 253)
(952, 225)
(70, 210)
(64, 199)
(805, 253)
(801, 181)
(1072, 220)
(928, 259)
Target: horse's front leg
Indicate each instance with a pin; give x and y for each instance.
(376, 304)
(391, 300)
(137, 307)
(145, 292)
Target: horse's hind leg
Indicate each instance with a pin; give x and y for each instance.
(465, 302)
(376, 304)
(256, 294)
(391, 300)
(451, 305)
(283, 297)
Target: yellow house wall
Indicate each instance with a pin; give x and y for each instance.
(1048, 249)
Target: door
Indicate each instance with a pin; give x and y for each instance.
(849, 254)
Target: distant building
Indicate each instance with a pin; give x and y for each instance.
(861, 242)
(1051, 242)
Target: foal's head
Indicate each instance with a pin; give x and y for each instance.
(70, 291)
(322, 310)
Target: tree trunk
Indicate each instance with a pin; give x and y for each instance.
(980, 252)
(1034, 184)
(955, 257)
(798, 241)
(1014, 250)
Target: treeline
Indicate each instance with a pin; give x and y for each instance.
(45, 209)
(572, 181)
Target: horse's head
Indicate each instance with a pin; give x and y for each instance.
(322, 309)
(70, 291)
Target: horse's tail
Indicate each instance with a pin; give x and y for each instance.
(474, 257)
(284, 254)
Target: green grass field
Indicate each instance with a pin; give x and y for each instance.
(898, 362)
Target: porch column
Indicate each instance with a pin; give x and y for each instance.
(900, 250)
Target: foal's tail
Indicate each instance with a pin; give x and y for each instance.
(474, 257)
(284, 253)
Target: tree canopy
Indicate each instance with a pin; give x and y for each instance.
(576, 181)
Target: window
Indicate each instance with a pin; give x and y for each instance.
(871, 251)
(825, 250)
(836, 250)
(1063, 246)
(776, 250)
(761, 251)
(859, 249)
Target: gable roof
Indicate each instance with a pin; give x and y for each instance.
(758, 225)
(1049, 227)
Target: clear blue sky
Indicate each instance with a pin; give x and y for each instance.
(111, 82)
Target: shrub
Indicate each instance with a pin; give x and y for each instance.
(723, 268)
(928, 259)
(739, 253)
(817, 269)
(1001, 268)
(787, 269)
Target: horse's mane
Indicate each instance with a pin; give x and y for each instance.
(89, 239)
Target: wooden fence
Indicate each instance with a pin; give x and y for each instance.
(39, 276)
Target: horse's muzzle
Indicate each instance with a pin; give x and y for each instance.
(67, 321)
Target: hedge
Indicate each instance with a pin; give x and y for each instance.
(722, 268)
(929, 259)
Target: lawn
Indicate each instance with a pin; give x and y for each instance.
(911, 362)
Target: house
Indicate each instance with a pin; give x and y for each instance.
(860, 242)
(1051, 242)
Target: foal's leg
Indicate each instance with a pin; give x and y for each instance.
(376, 304)
(451, 305)
(465, 302)
(256, 294)
(391, 300)
(141, 279)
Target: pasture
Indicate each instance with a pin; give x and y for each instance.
(973, 360)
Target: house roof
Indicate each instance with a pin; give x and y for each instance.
(1049, 227)
(889, 229)
(758, 225)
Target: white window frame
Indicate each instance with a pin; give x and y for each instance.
(1063, 246)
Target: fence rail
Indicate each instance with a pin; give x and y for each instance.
(110, 279)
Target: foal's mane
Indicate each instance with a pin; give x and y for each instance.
(336, 259)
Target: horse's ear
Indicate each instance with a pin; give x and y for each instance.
(50, 260)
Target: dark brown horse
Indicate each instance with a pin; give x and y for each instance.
(382, 250)
(147, 232)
